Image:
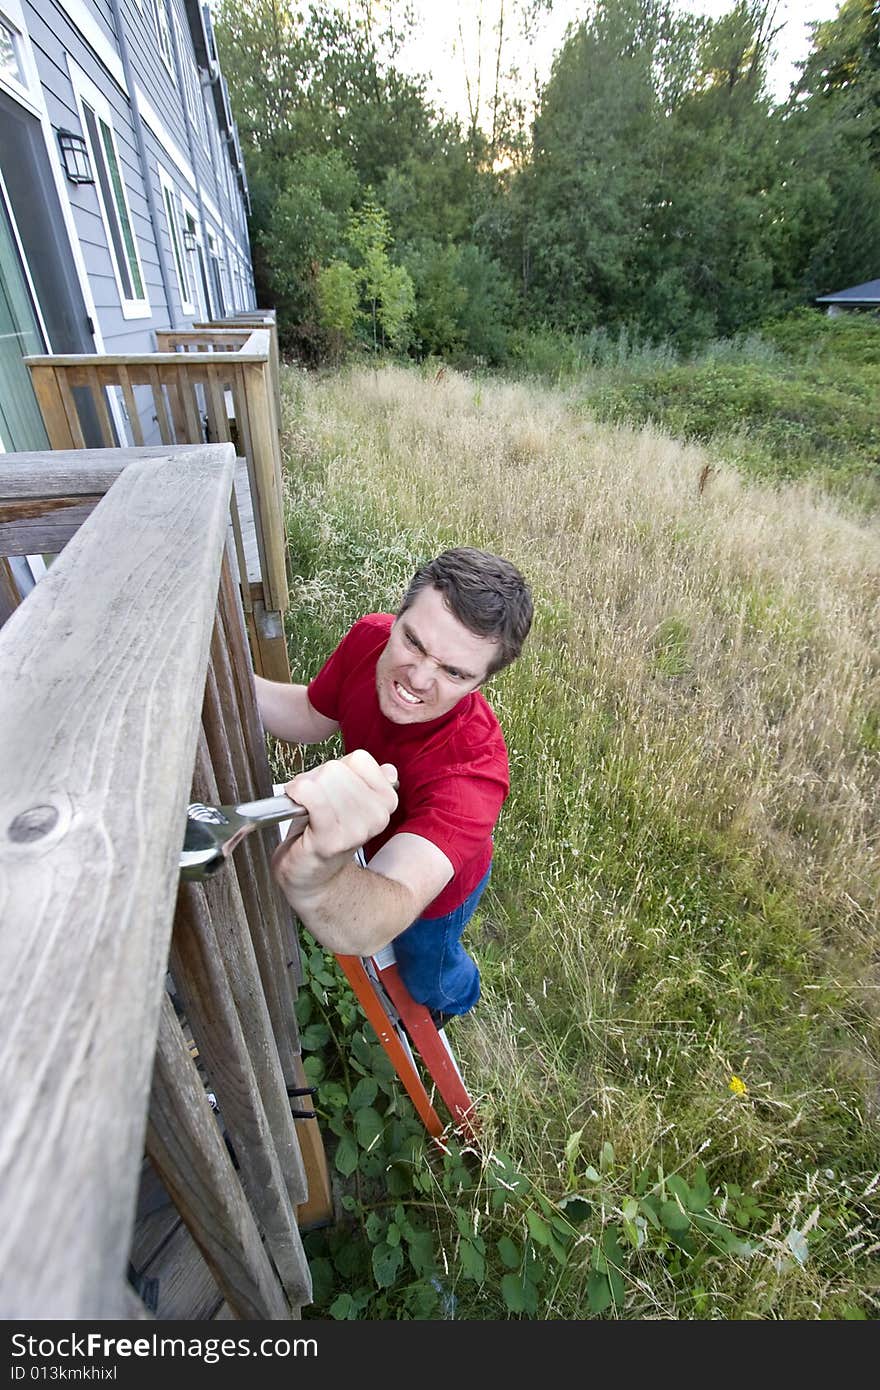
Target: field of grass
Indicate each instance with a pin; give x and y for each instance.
(676, 1055)
(797, 399)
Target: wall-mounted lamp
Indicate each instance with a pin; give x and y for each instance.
(75, 157)
(189, 240)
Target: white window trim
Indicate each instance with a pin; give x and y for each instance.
(28, 94)
(191, 85)
(191, 211)
(175, 235)
(85, 91)
(163, 32)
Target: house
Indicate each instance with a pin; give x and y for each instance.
(866, 296)
(123, 193)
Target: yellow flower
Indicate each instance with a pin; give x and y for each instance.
(738, 1087)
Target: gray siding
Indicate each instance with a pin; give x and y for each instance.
(203, 176)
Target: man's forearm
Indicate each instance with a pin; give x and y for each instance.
(356, 913)
(287, 713)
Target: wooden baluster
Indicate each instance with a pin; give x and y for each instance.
(134, 419)
(188, 1153)
(216, 976)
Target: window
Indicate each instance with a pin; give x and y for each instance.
(11, 66)
(214, 260)
(160, 18)
(181, 260)
(192, 239)
(17, 72)
(113, 199)
(191, 90)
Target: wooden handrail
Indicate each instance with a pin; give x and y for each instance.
(102, 673)
(213, 384)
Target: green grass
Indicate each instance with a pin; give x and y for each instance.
(798, 399)
(685, 882)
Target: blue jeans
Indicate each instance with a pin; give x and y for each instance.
(434, 966)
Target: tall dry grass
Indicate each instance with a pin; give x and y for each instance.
(688, 865)
(733, 630)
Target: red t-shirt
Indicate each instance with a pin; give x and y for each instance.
(452, 771)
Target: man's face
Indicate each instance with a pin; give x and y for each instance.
(431, 662)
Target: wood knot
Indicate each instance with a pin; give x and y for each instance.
(32, 824)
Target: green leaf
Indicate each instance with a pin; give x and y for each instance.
(346, 1156)
(557, 1249)
(616, 1285)
(500, 1173)
(472, 1262)
(573, 1145)
(368, 1125)
(333, 1097)
(343, 1307)
(314, 1068)
(324, 1280)
(392, 1235)
(562, 1229)
(350, 1259)
(673, 1218)
(545, 1204)
(538, 1228)
(514, 1293)
(631, 1231)
(679, 1188)
(591, 1175)
(598, 1293)
(510, 1252)
(374, 1227)
(313, 1038)
(362, 1051)
(387, 1264)
(647, 1206)
(611, 1244)
(606, 1158)
(701, 1192)
(364, 1093)
(421, 1252)
(465, 1222)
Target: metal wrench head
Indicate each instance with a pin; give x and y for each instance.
(212, 832)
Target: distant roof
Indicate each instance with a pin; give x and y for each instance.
(868, 293)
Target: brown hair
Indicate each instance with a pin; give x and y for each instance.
(487, 594)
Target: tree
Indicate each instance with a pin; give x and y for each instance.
(842, 69)
(338, 294)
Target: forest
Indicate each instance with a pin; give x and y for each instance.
(651, 187)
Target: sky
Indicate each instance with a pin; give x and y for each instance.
(447, 42)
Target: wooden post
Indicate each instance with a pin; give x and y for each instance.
(264, 484)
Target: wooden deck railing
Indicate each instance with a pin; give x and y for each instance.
(211, 384)
(104, 669)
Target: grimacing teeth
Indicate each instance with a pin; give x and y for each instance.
(407, 694)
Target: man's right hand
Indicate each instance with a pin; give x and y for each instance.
(349, 801)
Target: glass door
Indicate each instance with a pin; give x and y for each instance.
(21, 424)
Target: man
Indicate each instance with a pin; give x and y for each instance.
(405, 692)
